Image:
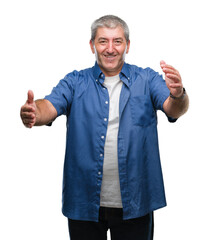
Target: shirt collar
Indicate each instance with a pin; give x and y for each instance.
(124, 74)
(97, 72)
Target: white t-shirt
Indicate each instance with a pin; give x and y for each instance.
(110, 191)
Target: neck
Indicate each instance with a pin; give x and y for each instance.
(111, 72)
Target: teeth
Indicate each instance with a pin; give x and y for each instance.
(109, 56)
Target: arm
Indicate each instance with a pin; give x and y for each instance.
(174, 107)
(37, 113)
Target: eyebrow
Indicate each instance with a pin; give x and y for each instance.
(103, 38)
(119, 39)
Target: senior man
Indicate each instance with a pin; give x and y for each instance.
(112, 172)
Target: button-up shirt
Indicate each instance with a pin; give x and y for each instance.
(82, 97)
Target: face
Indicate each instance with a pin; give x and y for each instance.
(110, 47)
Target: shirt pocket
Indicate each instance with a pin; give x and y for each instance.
(142, 111)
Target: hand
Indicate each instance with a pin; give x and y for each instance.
(173, 79)
(28, 111)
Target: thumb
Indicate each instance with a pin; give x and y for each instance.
(30, 97)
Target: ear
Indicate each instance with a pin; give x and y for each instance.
(128, 46)
(92, 46)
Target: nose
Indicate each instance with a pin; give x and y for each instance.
(110, 47)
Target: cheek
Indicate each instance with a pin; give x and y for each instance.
(100, 49)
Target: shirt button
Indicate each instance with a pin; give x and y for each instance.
(99, 173)
(102, 137)
(101, 155)
(105, 119)
(106, 102)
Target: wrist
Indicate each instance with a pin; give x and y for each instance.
(179, 97)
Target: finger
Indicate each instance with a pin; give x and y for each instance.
(175, 85)
(172, 73)
(28, 125)
(30, 97)
(169, 70)
(162, 63)
(173, 77)
(28, 115)
(27, 108)
(27, 120)
(168, 66)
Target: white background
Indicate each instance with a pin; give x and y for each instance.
(41, 41)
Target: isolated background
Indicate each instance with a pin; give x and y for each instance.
(41, 41)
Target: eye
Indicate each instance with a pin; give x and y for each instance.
(103, 42)
(118, 42)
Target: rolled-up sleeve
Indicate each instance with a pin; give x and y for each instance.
(62, 95)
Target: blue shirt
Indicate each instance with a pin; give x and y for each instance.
(85, 101)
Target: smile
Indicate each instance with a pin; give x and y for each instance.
(110, 56)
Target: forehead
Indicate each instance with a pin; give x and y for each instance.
(104, 32)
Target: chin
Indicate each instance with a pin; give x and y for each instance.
(110, 65)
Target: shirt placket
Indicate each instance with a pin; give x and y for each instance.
(122, 163)
(102, 134)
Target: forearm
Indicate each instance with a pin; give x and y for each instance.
(176, 107)
(45, 112)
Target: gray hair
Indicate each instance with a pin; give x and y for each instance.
(109, 21)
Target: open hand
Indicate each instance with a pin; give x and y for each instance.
(173, 79)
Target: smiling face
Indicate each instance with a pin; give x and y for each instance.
(110, 47)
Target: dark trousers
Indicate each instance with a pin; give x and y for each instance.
(112, 218)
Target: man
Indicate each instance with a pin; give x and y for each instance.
(112, 172)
